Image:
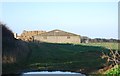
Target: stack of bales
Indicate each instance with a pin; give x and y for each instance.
(28, 35)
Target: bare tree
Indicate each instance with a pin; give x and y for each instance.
(113, 57)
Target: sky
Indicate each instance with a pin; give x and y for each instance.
(92, 19)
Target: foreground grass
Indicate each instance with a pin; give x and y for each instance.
(113, 71)
(85, 58)
(69, 57)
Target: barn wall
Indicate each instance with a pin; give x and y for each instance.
(58, 39)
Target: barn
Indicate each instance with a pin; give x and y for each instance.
(57, 36)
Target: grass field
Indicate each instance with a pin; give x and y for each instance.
(112, 46)
(73, 57)
(85, 58)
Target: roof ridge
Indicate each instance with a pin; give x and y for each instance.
(57, 32)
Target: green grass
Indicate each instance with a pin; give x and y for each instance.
(113, 46)
(113, 71)
(71, 57)
(65, 57)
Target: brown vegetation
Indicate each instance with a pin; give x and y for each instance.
(112, 59)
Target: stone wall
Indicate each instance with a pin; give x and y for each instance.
(58, 39)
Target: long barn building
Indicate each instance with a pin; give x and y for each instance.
(57, 36)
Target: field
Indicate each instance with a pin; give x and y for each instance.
(85, 58)
(112, 46)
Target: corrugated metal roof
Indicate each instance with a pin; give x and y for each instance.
(57, 32)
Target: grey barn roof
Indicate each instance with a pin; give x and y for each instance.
(57, 32)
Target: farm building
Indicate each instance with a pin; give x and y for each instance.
(57, 36)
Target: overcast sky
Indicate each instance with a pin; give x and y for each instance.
(92, 19)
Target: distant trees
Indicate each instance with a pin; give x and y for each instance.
(86, 39)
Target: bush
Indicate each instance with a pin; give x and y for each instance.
(115, 70)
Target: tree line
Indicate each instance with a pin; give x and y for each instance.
(89, 40)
